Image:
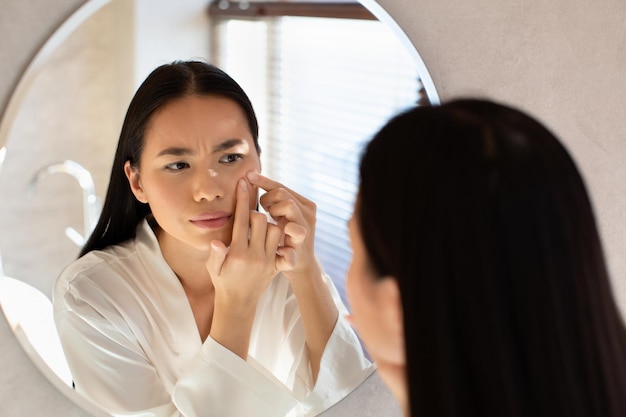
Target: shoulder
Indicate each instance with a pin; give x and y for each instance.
(129, 276)
(98, 271)
(106, 267)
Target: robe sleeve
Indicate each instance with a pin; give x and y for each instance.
(243, 388)
(343, 366)
(249, 388)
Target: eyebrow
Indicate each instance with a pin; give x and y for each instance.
(180, 151)
(227, 144)
(175, 151)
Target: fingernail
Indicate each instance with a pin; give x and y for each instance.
(243, 184)
(252, 176)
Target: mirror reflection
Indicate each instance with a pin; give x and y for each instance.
(317, 87)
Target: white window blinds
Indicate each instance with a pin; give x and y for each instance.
(321, 87)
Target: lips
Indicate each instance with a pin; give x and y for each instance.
(213, 220)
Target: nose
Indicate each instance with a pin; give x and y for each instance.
(208, 185)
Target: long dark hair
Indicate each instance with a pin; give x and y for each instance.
(482, 216)
(121, 212)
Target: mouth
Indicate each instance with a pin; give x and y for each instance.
(211, 220)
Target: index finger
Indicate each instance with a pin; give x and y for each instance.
(268, 185)
(241, 222)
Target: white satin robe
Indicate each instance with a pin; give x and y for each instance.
(133, 347)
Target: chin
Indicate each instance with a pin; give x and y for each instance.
(223, 235)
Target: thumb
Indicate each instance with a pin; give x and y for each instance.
(217, 255)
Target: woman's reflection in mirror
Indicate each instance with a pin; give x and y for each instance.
(478, 281)
(186, 300)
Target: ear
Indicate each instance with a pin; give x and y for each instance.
(391, 310)
(135, 182)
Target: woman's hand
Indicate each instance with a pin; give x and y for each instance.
(296, 259)
(241, 273)
(296, 217)
(244, 270)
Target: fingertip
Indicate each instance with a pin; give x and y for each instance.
(252, 176)
(243, 184)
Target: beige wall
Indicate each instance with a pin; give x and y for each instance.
(563, 60)
(88, 78)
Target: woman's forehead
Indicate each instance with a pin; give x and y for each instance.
(204, 118)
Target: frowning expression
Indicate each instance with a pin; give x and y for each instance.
(195, 150)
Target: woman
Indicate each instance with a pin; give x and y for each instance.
(478, 282)
(186, 300)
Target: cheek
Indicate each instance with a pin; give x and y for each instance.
(157, 190)
(366, 311)
(359, 299)
(351, 285)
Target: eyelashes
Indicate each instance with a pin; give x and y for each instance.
(227, 159)
(231, 157)
(176, 166)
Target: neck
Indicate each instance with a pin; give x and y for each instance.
(189, 264)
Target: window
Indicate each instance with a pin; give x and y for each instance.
(321, 86)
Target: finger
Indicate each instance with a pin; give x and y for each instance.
(296, 233)
(241, 222)
(217, 255)
(273, 238)
(286, 260)
(285, 211)
(267, 184)
(258, 230)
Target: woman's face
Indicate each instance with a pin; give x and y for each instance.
(374, 303)
(195, 150)
(377, 315)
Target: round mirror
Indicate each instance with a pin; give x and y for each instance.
(322, 76)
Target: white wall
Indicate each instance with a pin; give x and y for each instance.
(184, 35)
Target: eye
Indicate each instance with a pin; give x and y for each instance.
(230, 158)
(176, 166)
